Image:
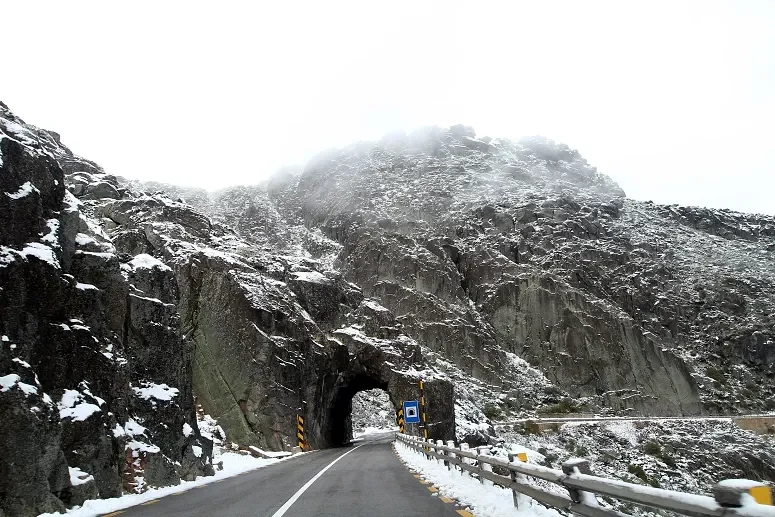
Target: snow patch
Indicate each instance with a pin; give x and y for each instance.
(73, 405)
(51, 236)
(150, 390)
(375, 306)
(145, 261)
(21, 362)
(132, 428)
(233, 465)
(9, 381)
(26, 189)
(79, 477)
(41, 252)
(625, 431)
(82, 239)
(138, 447)
(312, 276)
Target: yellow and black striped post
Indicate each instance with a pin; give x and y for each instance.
(422, 411)
(400, 420)
(300, 431)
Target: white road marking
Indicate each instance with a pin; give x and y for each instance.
(294, 497)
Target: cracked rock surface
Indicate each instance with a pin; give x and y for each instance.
(511, 277)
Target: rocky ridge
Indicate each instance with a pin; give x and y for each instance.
(95, 373)
(513, 271)
(484, 248)
(118, 305)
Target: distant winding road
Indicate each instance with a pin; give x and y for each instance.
(364, 479)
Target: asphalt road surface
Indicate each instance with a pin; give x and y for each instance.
(364, 479)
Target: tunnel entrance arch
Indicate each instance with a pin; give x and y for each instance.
(329, 422)
(339, 429)
(354, 363)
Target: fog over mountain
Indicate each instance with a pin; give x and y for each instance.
(672, 100)
(231, 232)
(511, 277)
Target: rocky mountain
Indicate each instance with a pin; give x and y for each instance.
(492, 251)
(511, 277)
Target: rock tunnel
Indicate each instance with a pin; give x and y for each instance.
(364, 366)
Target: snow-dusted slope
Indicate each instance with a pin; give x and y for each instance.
(512, 273)
(96, 380)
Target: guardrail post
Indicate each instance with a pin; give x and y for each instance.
(443, 453)
(515, 476)
(450, 443)
(467, 461)
(733, 492)
(483, 449)
(580, 466)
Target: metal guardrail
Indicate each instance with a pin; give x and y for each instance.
(735, 497)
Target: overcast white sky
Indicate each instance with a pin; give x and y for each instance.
(675, 100)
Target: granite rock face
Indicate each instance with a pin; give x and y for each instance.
(95, 372)
(510, 277)
(490, 252)
(487, 247)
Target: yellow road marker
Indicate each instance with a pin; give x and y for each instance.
(432, 489)
(180, 493)
(464, 513)
(150, 502)
(416, 475)
(761, 494)
(446, 499)
(424, 482)
(114, 513)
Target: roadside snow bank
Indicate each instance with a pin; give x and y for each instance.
(374, 430)
(483, 500)
(233, 464)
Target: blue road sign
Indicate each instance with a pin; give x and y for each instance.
(411, 412)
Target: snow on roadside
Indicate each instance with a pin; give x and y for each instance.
(374, 430)
(233, 464)
(482, 500)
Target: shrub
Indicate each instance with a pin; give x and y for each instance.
(492, 411)
(566, 405)
(668, 460)
(638, 472)
(715, 374)
(652, 448)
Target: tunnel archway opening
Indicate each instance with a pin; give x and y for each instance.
(372, 412)
(340, 424)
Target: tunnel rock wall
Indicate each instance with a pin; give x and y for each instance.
(272, 336)
(364, 363)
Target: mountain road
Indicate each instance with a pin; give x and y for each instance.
(362, 479)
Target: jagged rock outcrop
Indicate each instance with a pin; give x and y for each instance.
(511, 277)
(484, 248)
(95, 373)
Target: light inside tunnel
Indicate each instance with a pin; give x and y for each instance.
(372, 411)
(349, 415)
